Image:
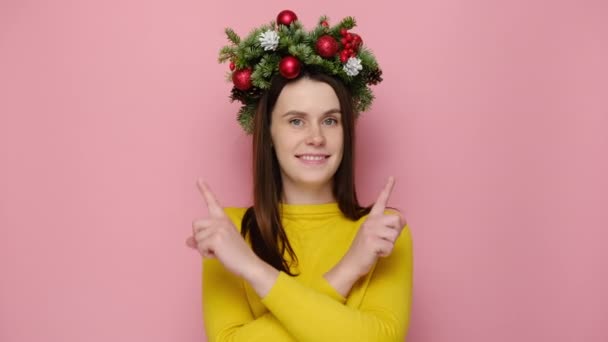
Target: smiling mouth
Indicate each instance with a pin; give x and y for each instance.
(310, 157)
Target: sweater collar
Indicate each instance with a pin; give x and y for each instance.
(325, 209)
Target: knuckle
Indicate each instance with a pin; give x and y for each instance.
(388, 244)
(394, 235)
(396, 220)
(195, 224)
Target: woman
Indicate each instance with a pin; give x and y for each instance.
(306, 262)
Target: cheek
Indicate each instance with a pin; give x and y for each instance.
(340, 147)
(283, 146)
(338, 141)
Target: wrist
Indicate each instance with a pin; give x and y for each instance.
(342, 278)
(253, 269)
(349, 271)
(261, 276)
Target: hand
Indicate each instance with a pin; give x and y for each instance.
(217, 237)
(376, 236)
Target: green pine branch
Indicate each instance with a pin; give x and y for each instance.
(226, 53)
(258, 79)
(245, 117)
(268, 65)
(368, 60)
(232, 36)
(301, 51)
(364, 99)
(346, 23)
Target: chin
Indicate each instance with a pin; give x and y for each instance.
(313, 179)
(311, 176)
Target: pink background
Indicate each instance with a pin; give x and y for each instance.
(493, 117)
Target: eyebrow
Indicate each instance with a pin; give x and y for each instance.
(296, 112)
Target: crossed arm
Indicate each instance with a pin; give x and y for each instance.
(316, 313)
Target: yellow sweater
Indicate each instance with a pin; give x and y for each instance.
(306, 307)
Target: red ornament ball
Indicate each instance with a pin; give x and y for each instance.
(286, 17)
(324, 23)
(232, 66)
(289, 67)
(344, 56)
(326, 46)
(242, 78)
(356, 41)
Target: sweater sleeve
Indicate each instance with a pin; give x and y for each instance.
(226, 312)
(383, 314)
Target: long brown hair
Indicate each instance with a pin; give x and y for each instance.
(262, 221)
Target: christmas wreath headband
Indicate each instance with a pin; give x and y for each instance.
(285, 47)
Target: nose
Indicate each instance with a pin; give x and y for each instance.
(316, 137)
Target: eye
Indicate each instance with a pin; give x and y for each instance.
(298, 121)
(331, 121)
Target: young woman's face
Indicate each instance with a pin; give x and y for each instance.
(306, 130)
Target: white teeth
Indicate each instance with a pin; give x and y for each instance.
(312, 157)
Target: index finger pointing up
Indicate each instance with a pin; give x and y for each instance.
(212, 204)
(380, 205)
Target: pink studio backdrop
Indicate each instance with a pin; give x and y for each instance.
(493, 117)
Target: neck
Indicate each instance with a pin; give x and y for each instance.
(294, 193)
